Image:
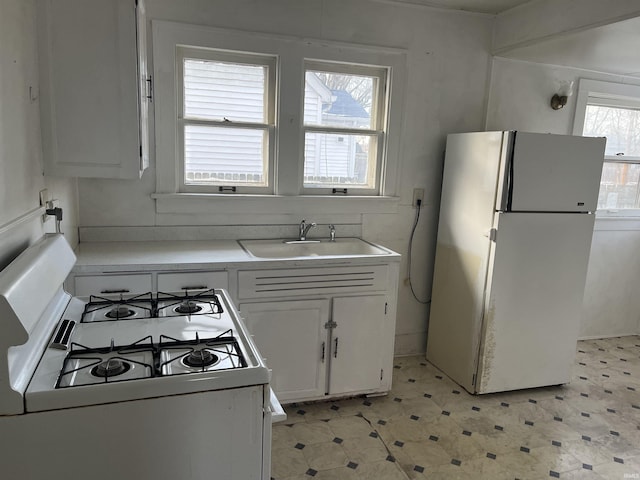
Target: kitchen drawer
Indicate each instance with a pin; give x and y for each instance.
(176, 282)
(311, 281)
(104, 284)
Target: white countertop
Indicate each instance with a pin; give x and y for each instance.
(160, 252)
(193, 254)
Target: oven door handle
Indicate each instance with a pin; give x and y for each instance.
(277, 412)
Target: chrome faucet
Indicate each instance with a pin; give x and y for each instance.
(304, 229)
(332, 233)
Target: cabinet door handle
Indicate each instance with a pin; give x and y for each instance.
(195, 287)
(335, 348)
(322, 352)
(121, 290)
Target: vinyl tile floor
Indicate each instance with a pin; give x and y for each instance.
(430, 428)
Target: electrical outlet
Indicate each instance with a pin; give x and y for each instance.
(418, 194)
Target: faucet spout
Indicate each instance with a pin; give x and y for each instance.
(304, 229)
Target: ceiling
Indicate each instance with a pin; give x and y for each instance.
(612, 48)
(480, 6)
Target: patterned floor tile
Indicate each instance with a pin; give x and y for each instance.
(428, 427)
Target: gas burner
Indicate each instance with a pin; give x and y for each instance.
(187, 307)
(111, 368)
(200, 359)
(120, 311)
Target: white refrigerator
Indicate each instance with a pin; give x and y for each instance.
(514, 235)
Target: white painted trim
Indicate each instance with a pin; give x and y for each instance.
(251, 204)
(611, 223)
(31, 214)
(588, 87)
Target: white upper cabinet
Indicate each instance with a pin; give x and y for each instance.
(94, 88)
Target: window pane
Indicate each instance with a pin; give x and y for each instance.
(621, 126)
(219, 90)
(222, 155)
(619, 186)
(339, 160)
(339, 100)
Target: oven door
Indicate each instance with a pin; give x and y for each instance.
(273, 413)
(277, 412)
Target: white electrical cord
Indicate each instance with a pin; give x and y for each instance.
(413, 231)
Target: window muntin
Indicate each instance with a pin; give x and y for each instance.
(344, 120)
(226, 120)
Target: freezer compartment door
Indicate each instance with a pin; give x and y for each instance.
(533, 302)
(555, 173)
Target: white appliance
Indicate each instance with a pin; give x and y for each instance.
(514, 235)
(156, 386)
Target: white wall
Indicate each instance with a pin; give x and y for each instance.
(448, 66)
(519, 100)
(21, 175)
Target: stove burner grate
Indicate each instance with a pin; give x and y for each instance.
(205, 302)
(119, 308)
(203, 353)
(106, 364)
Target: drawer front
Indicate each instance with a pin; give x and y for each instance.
(311, 281)
(105, 284)
(177, 282)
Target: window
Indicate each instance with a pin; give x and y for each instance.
(225, 120)
(257, 123)
(613, 111)
(344, 120)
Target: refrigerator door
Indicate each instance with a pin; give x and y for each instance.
(555, 173)
(467, 208)
(534, 300)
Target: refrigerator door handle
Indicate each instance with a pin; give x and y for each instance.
(491, 234)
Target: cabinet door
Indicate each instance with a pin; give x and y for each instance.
(291, 336)
(86, 285)
(357, 343)
(191, 281)
(89, 88)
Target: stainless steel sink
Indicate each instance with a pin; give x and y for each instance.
(341, 247)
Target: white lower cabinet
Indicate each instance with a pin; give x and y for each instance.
(324, 347)
(292, 338)
(357, 343)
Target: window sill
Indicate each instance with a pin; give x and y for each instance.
(268, 204)
(618, 220)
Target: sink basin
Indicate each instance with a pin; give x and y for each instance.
(342, 247)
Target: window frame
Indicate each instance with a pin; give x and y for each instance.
(269, 126)
(288, 196)
(379, 116)
(594, 92)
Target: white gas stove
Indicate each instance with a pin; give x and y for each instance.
(139, 369)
